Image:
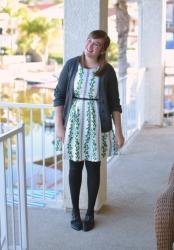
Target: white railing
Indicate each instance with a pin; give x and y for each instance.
(43, 165)
(13, 212)
(131, 89)
(168, 119)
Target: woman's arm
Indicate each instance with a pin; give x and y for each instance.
(118, 129)
(112, 91)
(60, 90)
(114, 103)
(60, 132)
(59, 101)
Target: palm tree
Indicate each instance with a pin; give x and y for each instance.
(34, 34)
(122, 26)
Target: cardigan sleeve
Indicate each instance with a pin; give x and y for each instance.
(113, 93)
(60, 90)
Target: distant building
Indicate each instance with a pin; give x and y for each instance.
(170, 24)
(7, 32)
(48, 10)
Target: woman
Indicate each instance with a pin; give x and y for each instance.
(86, 100)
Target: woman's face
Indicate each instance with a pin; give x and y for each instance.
(93, 47)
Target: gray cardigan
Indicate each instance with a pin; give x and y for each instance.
(108, 93)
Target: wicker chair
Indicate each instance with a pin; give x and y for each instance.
(164, 216)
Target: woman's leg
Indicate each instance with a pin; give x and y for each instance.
(75, 179)
(93, 182)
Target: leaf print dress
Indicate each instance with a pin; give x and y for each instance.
(84, 139)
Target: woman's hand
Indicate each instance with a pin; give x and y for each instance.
(60, 133)
(120, 140)
(118, 129)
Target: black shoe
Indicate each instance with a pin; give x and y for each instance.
(76, 222)
(88, 223)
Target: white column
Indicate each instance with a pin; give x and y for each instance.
(80, 18)
(151, 56)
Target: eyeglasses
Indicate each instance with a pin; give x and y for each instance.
(96, 45)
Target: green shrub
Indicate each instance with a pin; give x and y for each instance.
(6, 51)
(113, 52)
(57, 57)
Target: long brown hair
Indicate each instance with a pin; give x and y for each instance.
(98, 34)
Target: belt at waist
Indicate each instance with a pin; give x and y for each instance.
(86, 99)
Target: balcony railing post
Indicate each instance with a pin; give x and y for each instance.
(3, 200)
(22, 191)
(11, 190)
(122, 92)
(6, 188)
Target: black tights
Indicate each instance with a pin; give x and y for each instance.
(93, 182)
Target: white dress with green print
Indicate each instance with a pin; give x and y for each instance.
(83, 137)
